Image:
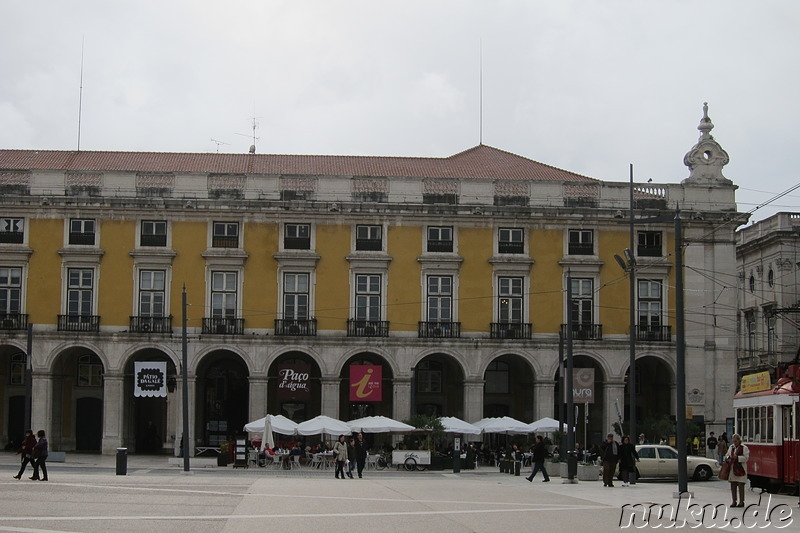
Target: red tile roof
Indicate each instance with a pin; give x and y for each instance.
(481, 162)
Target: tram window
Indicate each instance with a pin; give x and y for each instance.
(770, 424)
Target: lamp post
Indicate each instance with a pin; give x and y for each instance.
(572, 460)
(185, 382)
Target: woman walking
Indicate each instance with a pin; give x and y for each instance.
(627, 461)
(737, 455)
(40, 457)
(340, 455)
(27, 452)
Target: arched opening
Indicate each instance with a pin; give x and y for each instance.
(150, 422)
(77, 401)
(508, 388)
(358, 394)
(655, 382)
(589, 412)
(295, 388)
(223, 392)
(438, 387)
(12, 396)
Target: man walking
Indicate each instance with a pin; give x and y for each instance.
(711, 444)
(361, 453)
(539, 453)
(609, 454)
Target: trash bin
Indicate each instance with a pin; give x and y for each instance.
(122, 461)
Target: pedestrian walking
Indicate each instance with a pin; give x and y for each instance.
(737, 455)
(40, 457)
(627, 461)
(539, 453)
(26, 450)
(711, 444)
(351, 457)
(361, 453)
(340, 456)
(609, 455)
(722, 447)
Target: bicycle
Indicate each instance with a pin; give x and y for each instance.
(381, 462)
(411, 465)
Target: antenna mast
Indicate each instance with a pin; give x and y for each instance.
(80, 97)
(480, 93)
(255, 138)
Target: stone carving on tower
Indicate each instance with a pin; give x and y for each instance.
(706, 158)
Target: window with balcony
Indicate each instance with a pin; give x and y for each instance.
(368, 297)
(225, 235)
(582, 311)
(650, 306)
(649, 244)
(440, 239)
(369, 238)
(581, 242)
(82, 231)
(440, 299)
(80, 292)
(511, 241)
(223, 294)
(153, 233)
(12, 230)
(295, 296)
(297, 237)
(510, 300)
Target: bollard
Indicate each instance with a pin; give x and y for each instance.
(517, 467)
(122, 461)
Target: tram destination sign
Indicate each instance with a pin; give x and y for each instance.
(757, 382)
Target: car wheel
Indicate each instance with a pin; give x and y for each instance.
(702, 473)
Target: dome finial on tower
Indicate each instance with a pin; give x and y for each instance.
(706, 158)
(706, 125)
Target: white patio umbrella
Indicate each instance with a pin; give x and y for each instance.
(546, 425)
(280, 424)
(503, 424)
(267, 440)
(456, 425)
(323, 424)
(378, 424)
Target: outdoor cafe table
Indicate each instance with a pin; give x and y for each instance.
(323, 460)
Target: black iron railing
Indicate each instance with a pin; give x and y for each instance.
(584, 332)
(151, 324)
(653, 333)
(223, 326)
(84, 323)
(511, 330)
(367, 328)
(296, 327)
(439, 330)
(10, 321)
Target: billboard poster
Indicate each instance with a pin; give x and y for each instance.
(365, 383)
(583, 385)
(294, 382)
(150, 379)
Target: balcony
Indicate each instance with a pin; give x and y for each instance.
(511, 247)
(153, 240)
(653, 333)
(296, 327)
(81, 323)
(439, 330)
(584, 332)
(369, 245)
(11, 237)
(297, 243)
(648, 251)
(440, 246)
(13, 321)
(223, 326)
(510, 330)
(367, 328)
(225, 241)
(151, 324)
(581, 248)
(83, 239)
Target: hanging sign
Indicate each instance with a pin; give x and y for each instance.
(365, 383)
(583, 385)
(150, 379)
(294, 382)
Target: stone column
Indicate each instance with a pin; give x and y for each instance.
(473, 399)
(613, 390)
(543, 399)
(42, 405)
(258, 398)
(113, 415)
(330, 396)
(401, 399)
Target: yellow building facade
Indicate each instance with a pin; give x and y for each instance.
(446, 277)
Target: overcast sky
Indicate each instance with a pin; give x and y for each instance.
(587, 86)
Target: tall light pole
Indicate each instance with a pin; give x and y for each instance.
(680, 356)
(572, 460)
(185, 381)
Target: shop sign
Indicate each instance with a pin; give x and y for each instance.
(755, 382)
(150, 379)
(294, 382)
(365, 383)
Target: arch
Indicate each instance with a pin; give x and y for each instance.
(13, 359)
(438, 386)
(222, 395)
(313, 355)
(589, 429)
(135, 350)
(655, 381)
(457, 357)
(509, 387)
(299, 403)
(388, 359)
(200, 357)
(67, 348)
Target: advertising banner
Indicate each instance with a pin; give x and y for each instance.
(150, 379)
(294, 382)
(365, 383)
(583, 385)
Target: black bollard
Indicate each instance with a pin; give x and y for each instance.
(122, 461)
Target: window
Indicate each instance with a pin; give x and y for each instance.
(440, 299)
(666, 453)
(440, 239)
(581, 242)
(511, 241)
(297, 236)
(498, 378)
(10, 290)
(295, 296)
(649, 244)
(369, 238)
(771, 278)
(772, 338)
(650, 303)
(152, 295)
(368, 297)
(225, 235)
(223, 294)
(90, 371)
(82, 231)
(582, 301)
(12, 230)
(750, 319)
(16, 370)
(647, 453)
(510, 295)
(80, 289)
(752, 283)
(429, 377)
(154, 233)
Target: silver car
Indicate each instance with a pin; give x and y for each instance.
(660, 461)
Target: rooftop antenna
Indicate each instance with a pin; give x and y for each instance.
(218, 143)
(480, 93)
(80, 97)
(255, 126)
